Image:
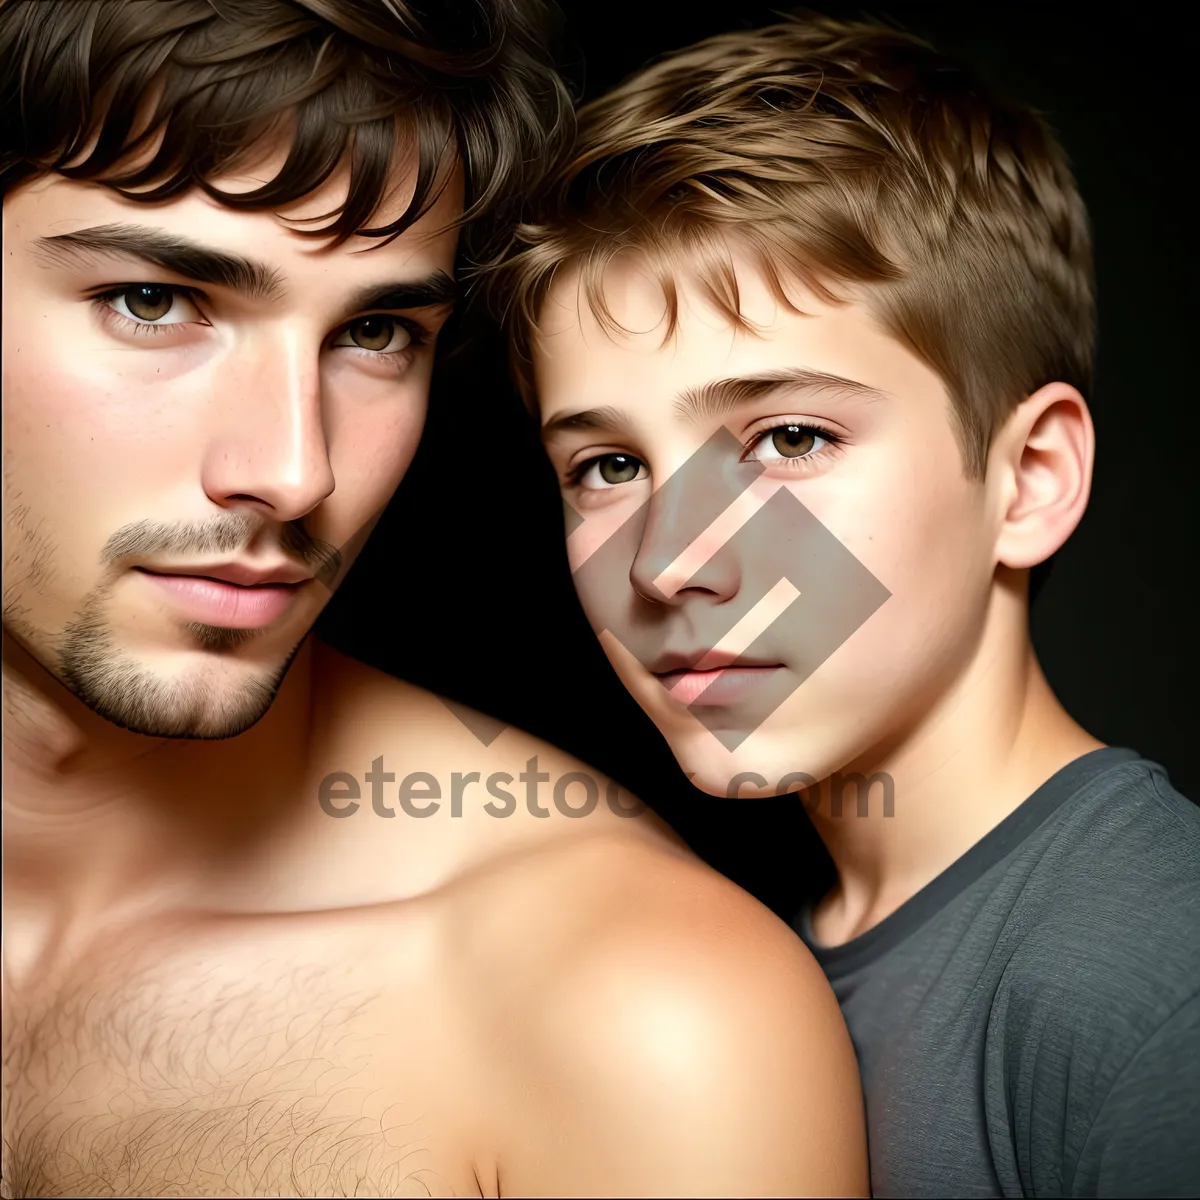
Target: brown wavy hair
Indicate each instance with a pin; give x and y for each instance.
(837, 153)
(155, 97)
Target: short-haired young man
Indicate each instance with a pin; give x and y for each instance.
(264, 931)
(808, 321)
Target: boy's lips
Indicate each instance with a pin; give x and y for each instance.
(726, 679)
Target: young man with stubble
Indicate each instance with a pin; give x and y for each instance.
(263, 931)
(807, 320)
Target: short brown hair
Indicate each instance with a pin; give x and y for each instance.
(837, 152)
(87, 83)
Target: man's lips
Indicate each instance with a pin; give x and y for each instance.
(216, 599)
(234, 572)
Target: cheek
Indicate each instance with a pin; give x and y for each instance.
(926, 540)
(613, 514)
(398, 438)
(932, 540)
(372, 442)
(906, 510)
(87, 448)
(86, 405)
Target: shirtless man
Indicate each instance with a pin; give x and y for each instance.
(276, 923)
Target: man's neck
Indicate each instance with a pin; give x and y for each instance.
(100, 821)
(970, 760)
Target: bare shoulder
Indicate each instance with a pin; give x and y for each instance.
(662, 1030)
(668, 1033)
(439, 757)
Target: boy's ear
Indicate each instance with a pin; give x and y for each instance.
(1040, 467)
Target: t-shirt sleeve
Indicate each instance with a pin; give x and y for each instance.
(1145, 1139)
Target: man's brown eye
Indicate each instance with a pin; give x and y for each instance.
(618, 468)
(793, 441)
(148, 302)
(375, 333)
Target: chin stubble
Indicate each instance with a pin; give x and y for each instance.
(134, 697)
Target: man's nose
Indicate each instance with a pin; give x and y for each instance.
(268, 446)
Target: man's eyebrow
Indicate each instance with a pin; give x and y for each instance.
(172, 252)
(720, 396)
(605, 419)
(435, 289)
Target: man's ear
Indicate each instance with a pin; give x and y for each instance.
(1041, 463)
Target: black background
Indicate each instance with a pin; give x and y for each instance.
(464, 586)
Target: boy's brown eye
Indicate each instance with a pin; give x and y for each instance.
(618, 468)
(149, 302)
(793, 441)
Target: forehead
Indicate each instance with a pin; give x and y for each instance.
(579, 362)
(52, 205)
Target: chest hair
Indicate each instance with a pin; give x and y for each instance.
(189, 1080)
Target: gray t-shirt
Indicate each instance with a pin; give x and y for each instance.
(1028, 1024)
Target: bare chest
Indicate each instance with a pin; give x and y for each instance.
(200, 1076)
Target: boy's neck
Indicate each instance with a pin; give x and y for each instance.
(979, 752)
